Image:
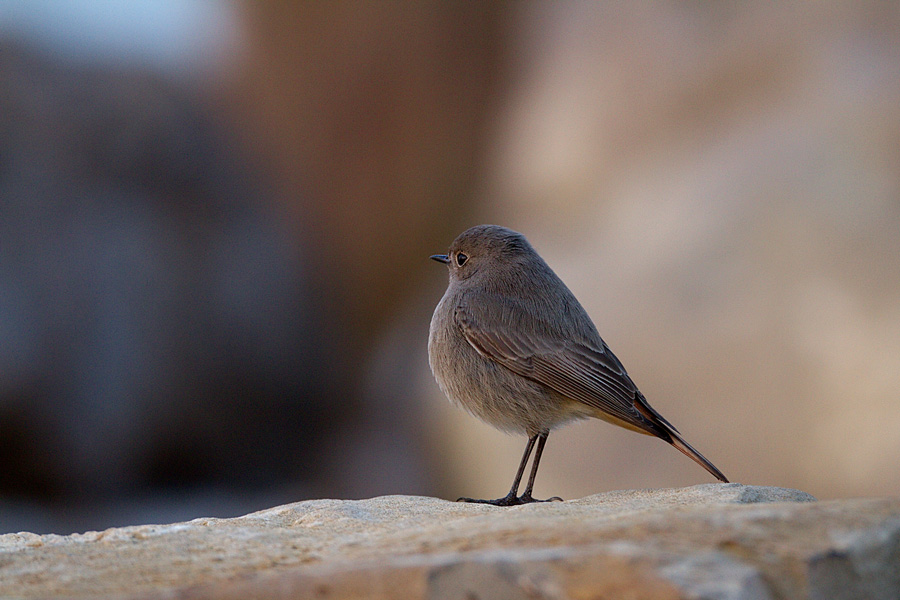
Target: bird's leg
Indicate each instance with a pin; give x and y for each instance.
(526, 497)
(511, 498)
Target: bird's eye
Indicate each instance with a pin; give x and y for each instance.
(461, 259)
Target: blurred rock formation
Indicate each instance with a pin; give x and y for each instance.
(161, 330)
(215, 298)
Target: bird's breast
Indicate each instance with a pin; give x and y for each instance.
(485, 388)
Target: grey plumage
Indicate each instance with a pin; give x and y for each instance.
(513, 346)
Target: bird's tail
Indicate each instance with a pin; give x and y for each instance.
(695, 456)
(673, 437)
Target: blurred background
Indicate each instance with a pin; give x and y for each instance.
(215, 219)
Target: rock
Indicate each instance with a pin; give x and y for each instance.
(726, 541)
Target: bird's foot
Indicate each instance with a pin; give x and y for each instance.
(511, 500)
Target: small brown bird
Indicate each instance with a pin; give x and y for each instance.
(510, 344)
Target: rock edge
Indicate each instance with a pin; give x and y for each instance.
(706, 541)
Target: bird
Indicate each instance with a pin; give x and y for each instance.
(511, 344)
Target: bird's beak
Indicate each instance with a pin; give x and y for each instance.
(442, 258)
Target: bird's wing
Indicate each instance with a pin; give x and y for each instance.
(580, 369)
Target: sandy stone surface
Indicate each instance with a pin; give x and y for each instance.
(706, 541)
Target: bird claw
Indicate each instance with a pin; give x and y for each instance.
(510, 500)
